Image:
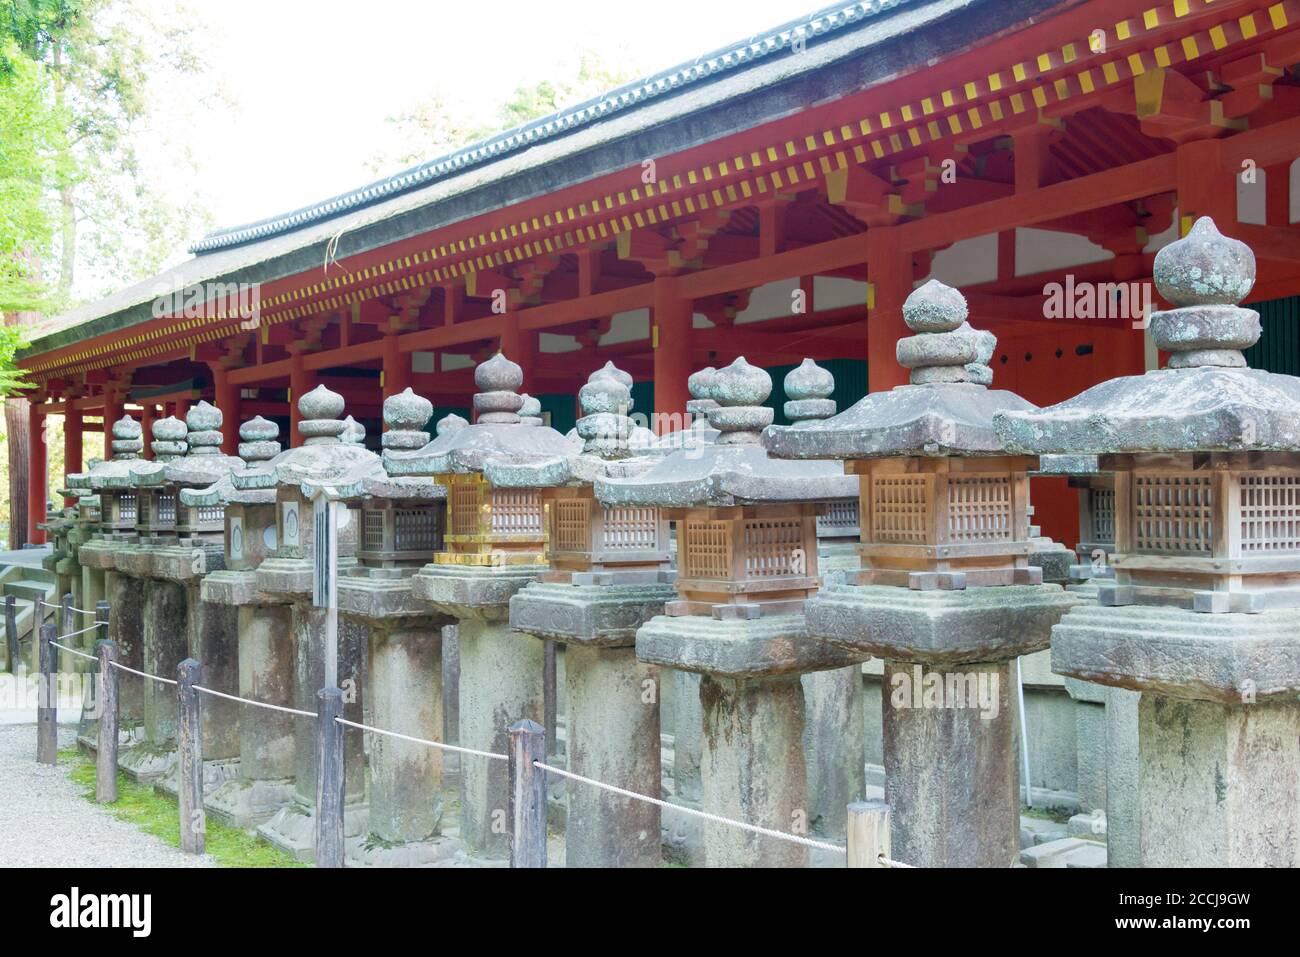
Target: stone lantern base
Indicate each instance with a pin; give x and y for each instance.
(1218, 719)
(948, 711)
(501, 682)
(613, 713)
(752, 764)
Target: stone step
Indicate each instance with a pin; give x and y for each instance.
(30, 589)
(1065, 852)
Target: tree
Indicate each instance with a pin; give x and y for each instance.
(436, 127)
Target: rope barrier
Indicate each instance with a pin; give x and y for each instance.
(73, 651)
(80, 611)
(81, 631)
(890, 862)
(257, 704)
(142, 674)
(431, 744)
(754, 828)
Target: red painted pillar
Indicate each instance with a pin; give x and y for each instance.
(38, 476)
(520, 347)
(226, 394)
(397, 366)
(890, 272)
(146, 429)
(1277, 195)
(72, 434)
(670, 337)
(299, 385)
(112, 412)
(1205, 186)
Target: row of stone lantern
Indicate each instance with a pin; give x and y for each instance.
(520, 534)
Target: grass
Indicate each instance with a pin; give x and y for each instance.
(155, 814)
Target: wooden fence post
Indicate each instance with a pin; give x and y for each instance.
(190, 744)
(11, 633)
(87, 725)
(47, 699)
(67, 624)
(527, 794)
(868, 833)
(106, 704)
(329, 779)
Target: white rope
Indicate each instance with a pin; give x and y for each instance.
(81, 631)
(74, 651)
(765, 831)
(142, 674)
(432, 744)
(258, 704)
(890, 862)
(80, 611)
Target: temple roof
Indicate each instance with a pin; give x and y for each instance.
(1207, 399)
(656, 116)
(946, 410)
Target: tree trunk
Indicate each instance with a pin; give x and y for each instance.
(18, 439)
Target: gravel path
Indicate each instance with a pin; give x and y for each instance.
(44, 820)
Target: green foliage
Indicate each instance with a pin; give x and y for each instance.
(151, 812)
(436, 127)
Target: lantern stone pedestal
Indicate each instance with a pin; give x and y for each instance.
(1218, 721)
(500, 683)
(951, 772)
(613, 713)
(752, 764)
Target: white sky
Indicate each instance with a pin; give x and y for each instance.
(308, 85)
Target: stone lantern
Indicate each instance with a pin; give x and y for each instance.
(946, 596)
(609, 573)
(246, 498)
(400, 531)
(111, 482)
(494, 544)
(834, 733)
(191, 460)
(1201, 615)
(746, 564)
(287, 575)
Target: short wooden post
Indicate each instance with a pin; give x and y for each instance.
(329, 779)
(527, 794)
(106, 705)
(67, 624)
(868, 833)
(190, 737)
(11, 633)
(90, 707)
(549, 695)
(47, 699)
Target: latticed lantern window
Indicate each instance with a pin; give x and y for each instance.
(491, 526)
(742, 561)
(943, 516)
(409, 534)
(588, 536)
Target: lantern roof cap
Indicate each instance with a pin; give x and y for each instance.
(946, 410)
(259, 445)
(498, 432)
(735, 469)
(1206, 400)
(329, 450)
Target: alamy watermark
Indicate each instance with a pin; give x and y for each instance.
(919, 688)
(1098, 300)
(210, 300)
